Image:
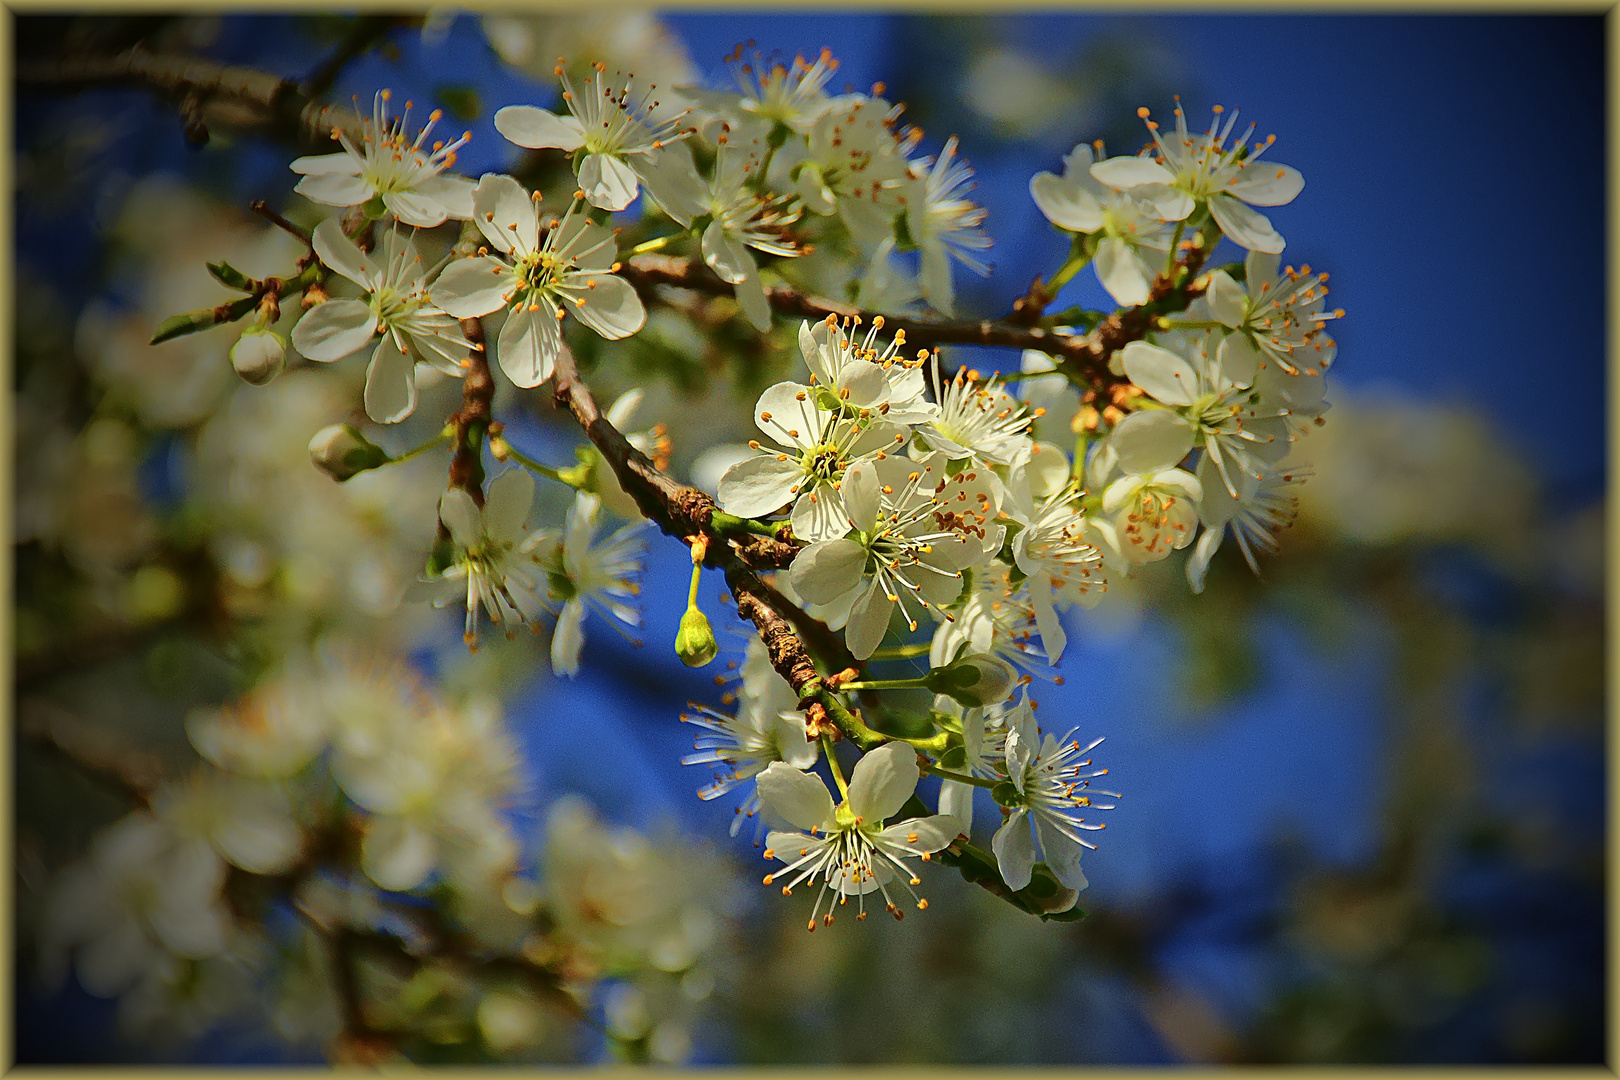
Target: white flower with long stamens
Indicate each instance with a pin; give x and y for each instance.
(994, 616)
(886, 286)
(616, 133)
(766, 727)
(583, 573)
(848, 848)
(839, 360)
(828, 432)
(1153, 513)
(407, 179)
(914, 531)
(493, 565)
(945, 225)
(851, 164)
(1263, 508)
(742, 218)
(572, 271)
(978, 420)
(1134, 238)
(1273, 317)
(1051, 779)
(395, 311)
(1051, 548)
(792, 95)
(1209, 168)
(1240, 427)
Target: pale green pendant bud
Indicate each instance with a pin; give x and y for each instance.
(694, 641)
(341, 452)
(259, 355)
(977, 680)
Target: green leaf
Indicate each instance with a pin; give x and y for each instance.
(230, 276)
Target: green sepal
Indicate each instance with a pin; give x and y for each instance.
(230, 276)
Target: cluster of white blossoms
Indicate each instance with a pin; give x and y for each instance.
(914, 509)
(345, 786)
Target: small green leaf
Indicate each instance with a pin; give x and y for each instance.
(230, 276)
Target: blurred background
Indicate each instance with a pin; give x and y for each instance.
(1364, 796)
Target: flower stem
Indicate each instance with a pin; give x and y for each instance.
(960, 778)
(832, 763)
(539, 467)
(438, 440)
(691, 593)
(1175, 242)
(725, 523)
(1075, 263)
(887, 684)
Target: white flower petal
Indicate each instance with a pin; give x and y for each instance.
(1150, 440)
(608, 182)
(883, 780)
(756, 306)
(506, 507)
(1239, 359)
(1065, 203)
(1130, 171)
(335, 189)
(334, 329)
(819, 515)
(343, 256)
(568, 639)
(725, 254)
(861, 495)
(324, 164)
(1244, 227)
(528, 347)
(1062, 854)
(1122, 273)
(462, 517)
(1265, 183)
(415, 208)
(868, 621)
(1226, 298)
(1161, 373)
(454, 193)
(505, 214)
(801, 799)
(1015, 850)
(759, 485)
(956, 803)
(396, 854)
(390, 383)
(825, 571)
(468, 288)
(611, 308)
(538, 129)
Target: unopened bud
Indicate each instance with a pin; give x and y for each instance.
(259, 355)
(341, 452)
(694, 641)
(977, 680)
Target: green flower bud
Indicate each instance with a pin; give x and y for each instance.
(694, 641)
(976, 680)
(341, 452)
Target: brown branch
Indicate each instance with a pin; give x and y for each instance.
(238, 97)
(133, 774)
(1083, 358)
(472, 420)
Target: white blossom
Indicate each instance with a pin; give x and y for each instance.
(826, 432)
(1262, 508)
(583, 573)
(792, 95)
(978, 420)
(1211, 169)
(1052, 781)
(494, 562)
(615, 131)
(944, 225)
(572, 271)
(1051, 547)
(395, 312)
(1275, 317)
(848, 848)
(1134, 240)
(914, 531)
(388, 167)
(742, 218)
